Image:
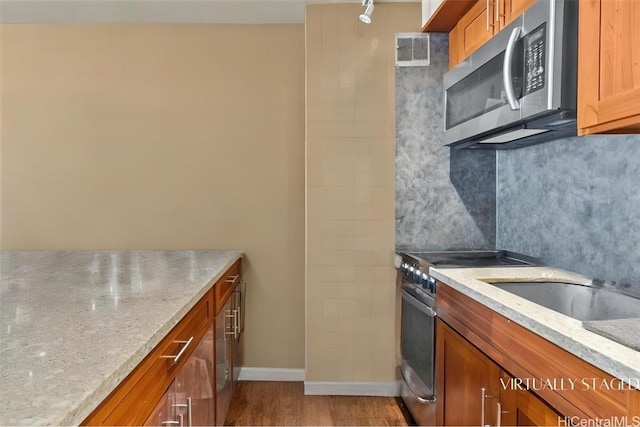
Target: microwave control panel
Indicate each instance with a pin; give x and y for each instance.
(534, 59)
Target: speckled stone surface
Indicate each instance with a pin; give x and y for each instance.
(445, 199)
(624, 331)
(568, 333)
(74, 324)
(574, 204)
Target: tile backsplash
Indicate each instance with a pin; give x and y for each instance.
(445, 199)
(575, 204)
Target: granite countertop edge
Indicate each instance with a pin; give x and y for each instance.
(178, 301)
(616, 359)
(95, 398)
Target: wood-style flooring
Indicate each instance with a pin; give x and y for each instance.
(284, 404)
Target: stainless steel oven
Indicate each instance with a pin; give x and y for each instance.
(417, 338)
(418, 308)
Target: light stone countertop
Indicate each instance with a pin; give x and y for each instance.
(566, 332)
(74, 324)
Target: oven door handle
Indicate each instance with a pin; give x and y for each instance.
(417, 303)
(420, 399)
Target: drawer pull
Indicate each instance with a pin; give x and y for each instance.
(170, 423)
(181, 352)
(230, 329)
(232, 279)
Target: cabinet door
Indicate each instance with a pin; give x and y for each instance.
(532, 411)
(520, 407)
(468, 383)
(511, 9)
(224, 338)
(236, 356)
(609, 67)
(195, 398)
(472, 31)
(164, 413)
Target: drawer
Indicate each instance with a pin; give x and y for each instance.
(136, 396)
(226, 284)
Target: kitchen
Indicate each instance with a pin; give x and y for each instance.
(119, 175)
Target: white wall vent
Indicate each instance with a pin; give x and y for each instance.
(412, 50)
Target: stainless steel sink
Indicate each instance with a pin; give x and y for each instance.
(582, 302)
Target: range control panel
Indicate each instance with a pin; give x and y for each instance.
(415, 274)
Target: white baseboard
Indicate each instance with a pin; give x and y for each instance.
(271, 374)
(391, 388)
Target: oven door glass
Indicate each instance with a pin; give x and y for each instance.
(417, 340)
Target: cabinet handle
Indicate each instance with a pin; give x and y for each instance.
(232, 279)
(170, 423)
(484, 396)
(180, 353)
(487, 14)
(240, 304)
(229, 314)
(499, 415)
(482, 390)
(497, 11)
(185, 405)
(181, 418)
(237, 323)
(235, 327)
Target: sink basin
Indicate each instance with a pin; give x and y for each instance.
(582, 302)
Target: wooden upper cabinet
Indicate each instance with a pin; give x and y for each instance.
(471, 32)
(512, 9)
(609, 67)
(442, 15)
(480, 23)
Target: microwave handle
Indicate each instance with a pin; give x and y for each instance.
(506, 69)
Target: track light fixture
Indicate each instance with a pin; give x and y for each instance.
(366, 16)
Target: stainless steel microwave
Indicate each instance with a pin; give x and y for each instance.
(519, 88)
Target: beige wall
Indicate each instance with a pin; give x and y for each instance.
(163, 136)
(350, 283)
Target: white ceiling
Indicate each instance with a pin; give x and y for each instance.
(207, 11)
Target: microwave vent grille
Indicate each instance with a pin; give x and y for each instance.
(413, 50)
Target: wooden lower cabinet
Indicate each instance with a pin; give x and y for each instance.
(530, 411)
(518, 407)
(477, 348)
(224, 367)
(474, 390)
(467, 381)
(228, 330)
(184, 388)
(164, 412)
(190, 400)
